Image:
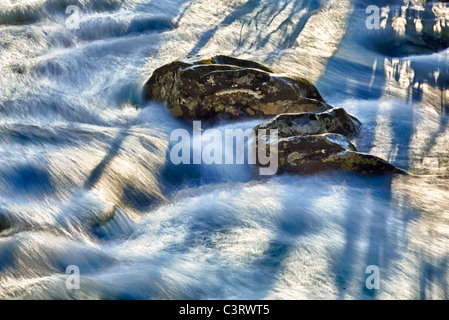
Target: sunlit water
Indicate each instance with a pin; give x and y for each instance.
(85, 177)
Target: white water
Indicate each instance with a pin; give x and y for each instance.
(77, 147)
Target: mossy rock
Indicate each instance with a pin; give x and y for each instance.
(314, 153)
(230, 88)
(336, 120)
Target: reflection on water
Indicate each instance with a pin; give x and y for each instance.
(417, 13)
(413, 27)
(441, 12)
(416, 81)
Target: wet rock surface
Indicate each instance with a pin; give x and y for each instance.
(314, 153)
(336, 120)
(230, 88)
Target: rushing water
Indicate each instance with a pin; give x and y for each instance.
(85, 177)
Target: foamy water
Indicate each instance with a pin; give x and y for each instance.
(86, 180)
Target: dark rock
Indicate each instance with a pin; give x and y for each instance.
(5, 222)
(315, 153)
(230, 88)
(331, 121)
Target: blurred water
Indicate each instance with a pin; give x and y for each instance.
(85, 178)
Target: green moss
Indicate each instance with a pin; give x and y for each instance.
(207, 61)
(350, 161)
(282, 161)
(250, 112)
(305, 81)
(176, 110)
(219, 106)
(358, 162)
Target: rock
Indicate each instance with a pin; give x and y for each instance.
(321, 152)
(230, 88)
(331, 121)
(5, 222)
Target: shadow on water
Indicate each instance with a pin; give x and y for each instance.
(380, 247)
(363, 82)
(238, 13)
(434, 275)
(263, 271)
(29, 179)
(290, 30)
(132, 196)
(368, 224)
(99, 169)
(292, 224)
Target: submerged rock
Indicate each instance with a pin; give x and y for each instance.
(321, 152)
(230, 88)
(332, 121)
